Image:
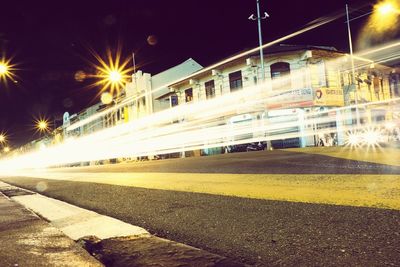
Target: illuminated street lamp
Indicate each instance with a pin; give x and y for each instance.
(383, 15)
(6, 70)
(115, 76)
(42, 125)
(3, 68)
(386, 8)
(6, 149)
(112, 73)
(3, 138)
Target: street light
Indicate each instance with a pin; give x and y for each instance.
(3, 68)
(112, 72)
(3, 138)
(42, 125)
(386, 8)
(383, 15)
(353, 72)
(260, 42)
(115, 76)
(6, 149)
(6, 70)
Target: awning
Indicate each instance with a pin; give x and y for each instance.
(165, 95)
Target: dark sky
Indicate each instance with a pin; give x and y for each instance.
(49, 40)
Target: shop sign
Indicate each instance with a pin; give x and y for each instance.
(329, 97)
(291, 99)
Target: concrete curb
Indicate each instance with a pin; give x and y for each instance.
(113, 242)
(27, 240)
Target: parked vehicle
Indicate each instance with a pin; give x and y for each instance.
(256, 146)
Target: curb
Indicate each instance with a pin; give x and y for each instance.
(111, 241)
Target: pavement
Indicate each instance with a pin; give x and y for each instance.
(279, 208)
(27, 239)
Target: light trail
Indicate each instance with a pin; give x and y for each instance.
(194, 129)
(191, 126)
(206, 124)
(129, 100)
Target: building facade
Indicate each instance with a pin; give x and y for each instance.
(300, 81)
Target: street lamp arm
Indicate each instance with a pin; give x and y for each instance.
(252, 17)
(363, 15)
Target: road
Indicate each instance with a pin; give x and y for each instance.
(261, 208)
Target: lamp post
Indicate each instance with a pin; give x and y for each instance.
(353, 72)
(260, 43)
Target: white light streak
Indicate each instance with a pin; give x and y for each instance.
(206, 124)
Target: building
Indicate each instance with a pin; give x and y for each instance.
(149, 94)
(300, 81)
(308, 90)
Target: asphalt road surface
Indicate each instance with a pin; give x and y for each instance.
(272, 162)
(253, 231)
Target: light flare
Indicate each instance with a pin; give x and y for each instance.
(353, 139)
(112, 73)
(386, 8)
(42, 125)
(3, 68)
(385, 17)
(7, 71)
(372, 137)
(3, 138)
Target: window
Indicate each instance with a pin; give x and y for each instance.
(322, 74)
(235, 81)
(395, 84)
(174, 100)
(188, 95)
(376, 82)
(118, 114)
(280, 74)
(210, 89)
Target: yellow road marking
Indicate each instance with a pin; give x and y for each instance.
(389, 156)
(380, 191)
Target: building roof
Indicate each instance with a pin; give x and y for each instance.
(269, 50)
(163, 79)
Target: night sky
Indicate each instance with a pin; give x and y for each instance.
(50, 42)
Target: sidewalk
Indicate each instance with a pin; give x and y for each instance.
(27, 240)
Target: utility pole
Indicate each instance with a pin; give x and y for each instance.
(260, 44)
(353, 72)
